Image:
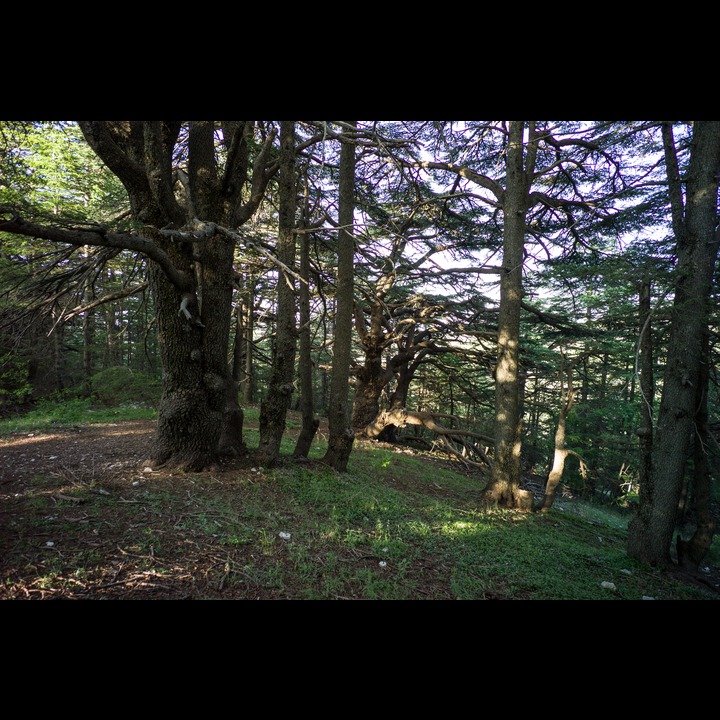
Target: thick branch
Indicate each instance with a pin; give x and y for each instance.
(466, 173)
(401, 417)
(100, 237)
(98, 136)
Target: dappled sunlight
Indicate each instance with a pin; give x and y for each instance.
(396, 527)
(41, 436)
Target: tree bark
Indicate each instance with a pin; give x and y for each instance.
(651, 530)
(399, 417)
(561, 453)
(341, 436)
(691, 552)
(503, 487)
(273, 410)
(191, 409)
(310, 423)
(372, 377)
(647, 389)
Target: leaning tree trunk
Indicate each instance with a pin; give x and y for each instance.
(561, 452)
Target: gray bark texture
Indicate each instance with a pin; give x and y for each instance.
(503, 486)
(650, 532)
(341, 436)
(273, 409)
(310, 423)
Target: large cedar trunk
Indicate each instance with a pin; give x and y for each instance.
(370, 381)
(691, 552)
(191, 409)
(503, 487)
(191, 186)
(651, 530)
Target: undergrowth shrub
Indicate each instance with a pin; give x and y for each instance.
(122, 386)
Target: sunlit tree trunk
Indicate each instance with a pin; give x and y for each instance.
(561, 453)
(503, 487)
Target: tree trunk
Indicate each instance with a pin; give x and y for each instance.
(398, 400)
(192, 406)
(691, 552)
(561, 453)
(372, 377)
(341, 436)
(310, 423)
(238, 362)
(273, 410)
(647, 390)
(186, 219)
(231, 439)
(88, 329)
(248, 383)
(651, 530)
(503, 487)
(58, 357)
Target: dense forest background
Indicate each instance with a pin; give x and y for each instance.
(536, 299)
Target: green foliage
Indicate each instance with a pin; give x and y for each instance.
(629, 488)
(122, 385)
(50, 165)
(15, 387)
(67, 409)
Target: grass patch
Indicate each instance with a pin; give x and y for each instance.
(396, 526)
(77, 411)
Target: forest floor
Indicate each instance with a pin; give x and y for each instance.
(78, 499)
